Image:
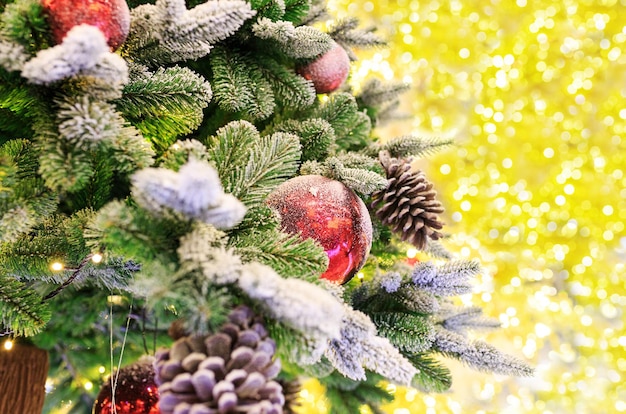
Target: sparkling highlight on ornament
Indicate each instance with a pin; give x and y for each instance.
(330, 213)
(112, 17)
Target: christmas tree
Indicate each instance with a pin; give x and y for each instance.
(198, 178)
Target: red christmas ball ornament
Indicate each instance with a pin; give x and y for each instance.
(329, 71)
(327, 211)
(135, 392)
(112, 17)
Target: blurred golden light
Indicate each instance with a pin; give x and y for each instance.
(533, 93)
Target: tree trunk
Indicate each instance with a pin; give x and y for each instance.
(23, 372)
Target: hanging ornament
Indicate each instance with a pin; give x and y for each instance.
(112, 17)
(231, 371)
(327, 211)
(135, 391)
(329, 71)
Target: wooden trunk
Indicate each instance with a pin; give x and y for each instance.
(23, 372)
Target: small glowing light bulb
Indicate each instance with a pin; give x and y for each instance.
(57, 266)
(8, 345)
(88, 386)
(360, 275)
(96, 258)
(411, 252)
(102, 369)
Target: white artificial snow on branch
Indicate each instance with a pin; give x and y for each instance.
(305, 307)
(203, 249)
(167, 32)
(84, 51)
(360, 348)
(194, 192)
(12, 55)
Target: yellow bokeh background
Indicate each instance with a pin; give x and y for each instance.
(534, 95)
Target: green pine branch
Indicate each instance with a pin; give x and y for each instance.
(296, 10)
(55, 238)
(292, 92)
(26, 200)
(272, 160)
(409, 146)
(271, 9)
(348, 396)
(165, 104)
(302, 42)
(317, 136)
(361, 180)
(347, 34)
(25, 23)
(352, 127)
(432, 375)
(18, 106)
(22, 310)
(228, 151)
(409, 333)
(239, 84)
(374, 92)
(128, 231)
(287, 254)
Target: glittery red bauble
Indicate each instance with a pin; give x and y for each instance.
(135, 392)
(329, 71)
(112, 17)
(332, 214)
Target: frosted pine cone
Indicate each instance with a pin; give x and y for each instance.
(229, 372)
(408, 203)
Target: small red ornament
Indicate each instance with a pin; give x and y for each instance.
(327, 211)
(112, 17)
(135, 392)
(329, 71)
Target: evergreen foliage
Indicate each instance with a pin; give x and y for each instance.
(432, 375)
(157, 159)
(22, 311)
(346, 396)
(165, 104)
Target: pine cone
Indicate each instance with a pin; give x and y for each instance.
(291, 390)
(229, 372)
(408, 203)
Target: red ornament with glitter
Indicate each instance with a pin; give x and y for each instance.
(327, 211)
(135, 392)
(329, 71)
(112, 17)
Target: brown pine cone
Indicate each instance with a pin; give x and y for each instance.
(408, 204)
(229, 372)
(291, 390)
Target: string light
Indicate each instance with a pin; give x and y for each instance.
(88, 385)
(57, 266)
(8, 345)
(96, 258)
(115, 299)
